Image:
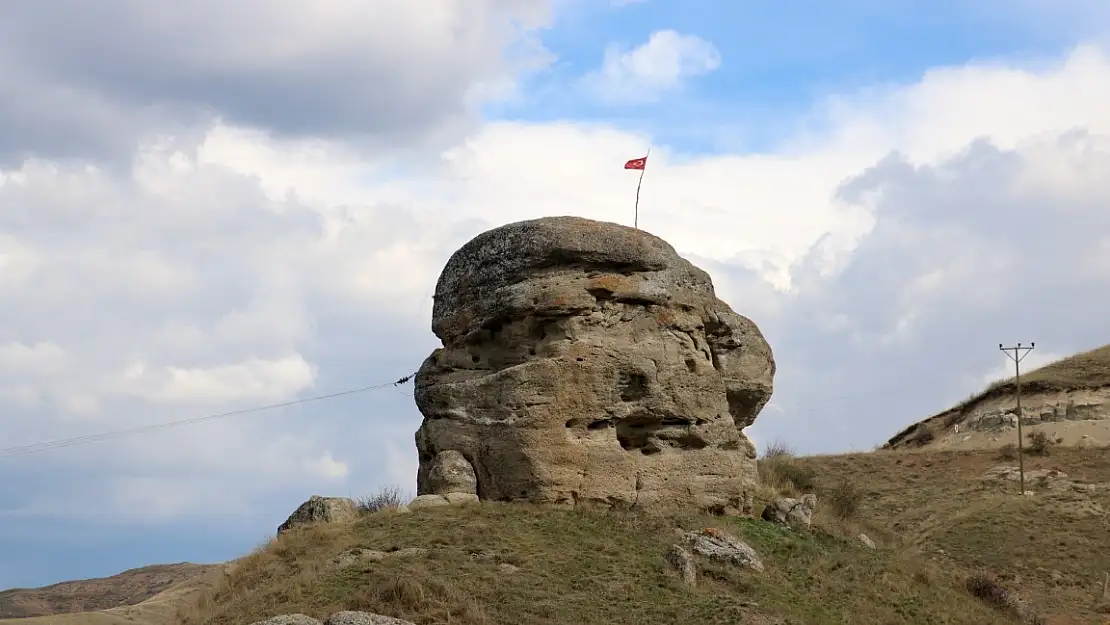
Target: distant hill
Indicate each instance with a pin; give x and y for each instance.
(125, 589)
(1068, 400)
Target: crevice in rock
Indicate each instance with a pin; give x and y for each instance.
(651, 434)
(602, 294)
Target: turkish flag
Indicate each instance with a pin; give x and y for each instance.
(636, 163)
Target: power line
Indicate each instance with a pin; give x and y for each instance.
(93, 438)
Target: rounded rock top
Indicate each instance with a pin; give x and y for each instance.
(477, 275)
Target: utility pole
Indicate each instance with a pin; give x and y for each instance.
(1018, 353)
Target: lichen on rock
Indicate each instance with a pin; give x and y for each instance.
(586, 362)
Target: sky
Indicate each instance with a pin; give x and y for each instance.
(213, 206)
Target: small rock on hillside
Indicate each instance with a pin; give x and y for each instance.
(339, 618)
(716, 545)
(797, 513)
(321, 510)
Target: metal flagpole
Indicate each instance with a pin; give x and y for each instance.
(636, 218)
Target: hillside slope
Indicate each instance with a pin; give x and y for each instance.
(938, 518)
(125, 589)
(1068, 400)
(961, 510)
(586, 568)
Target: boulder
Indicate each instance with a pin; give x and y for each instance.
(588, 363)
(796, 513)
(363, 618)
(451, 472)
(461, 499)
(428, 501)
(288, 619)
(719, 546)
(321, 510)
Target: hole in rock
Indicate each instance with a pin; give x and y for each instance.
(579, 359)
(632, 386)
(599, 424)
(476, 359)
(692, 365)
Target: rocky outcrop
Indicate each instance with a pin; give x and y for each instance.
(321, 510)
(1001, 412)
(587, 362)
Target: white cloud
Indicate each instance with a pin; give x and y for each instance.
(42, 358)
(255, 380)
(661, 64)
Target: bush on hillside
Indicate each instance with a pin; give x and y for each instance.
(390, 497)
(988, 589)
(1039, 442)
(782, 472)
(844, 500)
(1007, 452)
(922, 436)
(778, 449)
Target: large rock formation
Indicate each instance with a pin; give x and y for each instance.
(587, 362)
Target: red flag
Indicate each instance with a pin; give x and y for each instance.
(636, 163)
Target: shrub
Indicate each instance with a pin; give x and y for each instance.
(844, 500)
(783, 472)
(390, 497)
(1008, 452)
(990, 591)
(1039, 442)
(922, 436)
(778, 449)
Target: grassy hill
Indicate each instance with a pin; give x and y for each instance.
(1084, 371)
(937, 517)
(125, 589)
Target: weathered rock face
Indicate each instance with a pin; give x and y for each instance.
(586, 362)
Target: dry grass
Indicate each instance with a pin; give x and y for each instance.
(944, 534)
(1007, 452)
(936, 505)
(582, 567)
(385, 499)
(781, 474)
